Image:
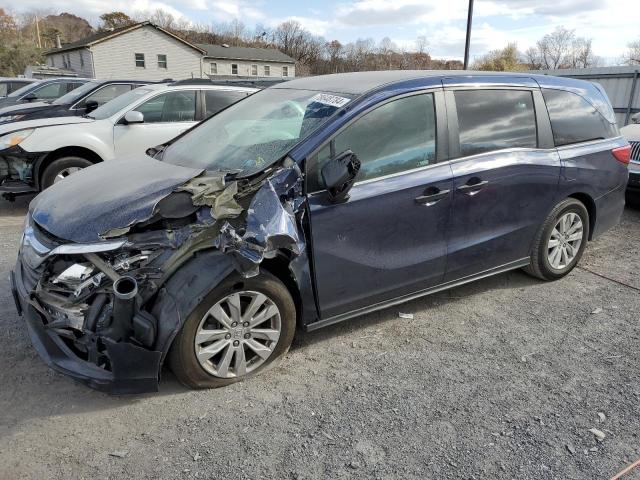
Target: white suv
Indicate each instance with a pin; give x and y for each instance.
(35, 154)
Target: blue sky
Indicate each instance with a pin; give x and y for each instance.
(610, 23)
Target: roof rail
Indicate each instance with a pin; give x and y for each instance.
(236, 82)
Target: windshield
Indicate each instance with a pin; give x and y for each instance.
(23, 90)
(255, 132)
(76, 94)
(114, 106)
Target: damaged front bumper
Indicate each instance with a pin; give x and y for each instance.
(83, 324)
(132, 369)
(17, 171)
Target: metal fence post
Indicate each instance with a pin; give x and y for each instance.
(633, 93)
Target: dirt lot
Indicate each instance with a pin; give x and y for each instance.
(502, 378)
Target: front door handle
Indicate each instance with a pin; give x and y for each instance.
(432, 196)
(473, 186)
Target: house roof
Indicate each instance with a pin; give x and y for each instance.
(106, 35)
(246, 53)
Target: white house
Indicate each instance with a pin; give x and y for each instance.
(222, 60)
(147, 52)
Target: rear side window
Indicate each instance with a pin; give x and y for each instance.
(216, 100)
(490, 120)
(170, 107)
(396, 137)
(106, 94)
(574, 120)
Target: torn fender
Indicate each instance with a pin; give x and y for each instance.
(270, 224)
(185, 290)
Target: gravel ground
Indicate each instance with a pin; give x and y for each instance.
(502, 378)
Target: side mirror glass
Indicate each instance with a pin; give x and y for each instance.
(339, 175)
(90, 106)
(133, 116)
(30, 98)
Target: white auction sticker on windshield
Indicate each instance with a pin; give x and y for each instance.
(332, 100)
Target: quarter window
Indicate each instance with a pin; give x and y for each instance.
(162, 61)
(234, 69)
(396, 137)
(490, 120)
(575, 120)
(170, 107)
(140, 60)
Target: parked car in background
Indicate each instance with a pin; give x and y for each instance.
(34, 154)
(79, 101)
(41, 91)
(10, 85)
(310, 203)
(632, 133)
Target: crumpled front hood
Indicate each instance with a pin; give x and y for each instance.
(106, 196)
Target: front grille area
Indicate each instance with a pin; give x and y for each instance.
(635, 151)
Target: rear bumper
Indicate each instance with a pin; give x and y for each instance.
(634, 176)
(133, 369)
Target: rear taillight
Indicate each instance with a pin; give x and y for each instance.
(622, 154)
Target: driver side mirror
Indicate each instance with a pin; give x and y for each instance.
(90, 106)
(30, 98)
(339, 175)
(133, 116)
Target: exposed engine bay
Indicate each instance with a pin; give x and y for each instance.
(107, 300)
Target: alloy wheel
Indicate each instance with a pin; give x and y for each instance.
(65, 172)
(565, 240)
(237, 334)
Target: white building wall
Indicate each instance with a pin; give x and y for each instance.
(244, 68)
(78, 61)
(115, 58)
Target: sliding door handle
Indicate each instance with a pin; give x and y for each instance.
(472, 188)
(432, 198)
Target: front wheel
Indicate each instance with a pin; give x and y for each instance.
(61, 168)
(560, 242)
(240, 328)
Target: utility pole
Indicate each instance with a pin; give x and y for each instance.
(38, 33)
(468, 42)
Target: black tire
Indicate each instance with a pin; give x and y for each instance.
(540, 266)
(59, 165)
(182, 356)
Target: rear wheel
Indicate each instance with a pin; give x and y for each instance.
(560, 242)
(241, 328)
(61, 168)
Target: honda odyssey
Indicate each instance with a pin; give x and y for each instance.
(310, 203)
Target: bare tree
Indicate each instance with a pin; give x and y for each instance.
(632, 56)
(561, 49)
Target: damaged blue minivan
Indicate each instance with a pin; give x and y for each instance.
(306, 204)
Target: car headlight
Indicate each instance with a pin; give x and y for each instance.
(15, 138)
(10, 118)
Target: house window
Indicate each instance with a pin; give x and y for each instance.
(213, 68)
(267, 70)
(140, 60)
(234, 69)
(81, 59)
(162, 61)
(254, 70)
(285, 71)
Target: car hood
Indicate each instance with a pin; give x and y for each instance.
(41, 122)
(36, 110)
(631, 132)
(109, 195)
